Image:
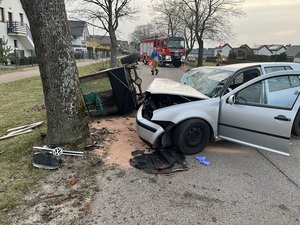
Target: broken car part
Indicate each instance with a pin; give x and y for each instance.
(45, 160)
(58, 151)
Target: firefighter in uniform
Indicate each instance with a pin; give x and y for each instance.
(154, 57)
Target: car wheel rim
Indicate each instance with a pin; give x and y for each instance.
(194, 137)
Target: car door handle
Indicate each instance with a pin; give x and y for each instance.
(282, 117)
(296, 92)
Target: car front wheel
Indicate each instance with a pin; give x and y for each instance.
(191, 136)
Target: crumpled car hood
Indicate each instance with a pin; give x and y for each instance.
(167, 86)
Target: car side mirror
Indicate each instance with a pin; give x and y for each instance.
(231, 99)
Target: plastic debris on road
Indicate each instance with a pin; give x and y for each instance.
(202, 160)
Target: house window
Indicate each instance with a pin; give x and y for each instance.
(1, 15)
(10, 19)
(21, 18)
(16, 43)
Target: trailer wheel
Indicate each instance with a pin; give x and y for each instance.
(131, 58)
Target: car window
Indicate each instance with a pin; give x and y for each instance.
(244, 77)
(277, 68)
(281, 92)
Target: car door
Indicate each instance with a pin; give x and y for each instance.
(251, 115)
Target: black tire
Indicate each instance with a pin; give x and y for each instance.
(177, 64)
(161, 63)
(131, 58)
(191, 136)
(296, 125)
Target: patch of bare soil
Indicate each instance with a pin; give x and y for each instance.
(65, 195)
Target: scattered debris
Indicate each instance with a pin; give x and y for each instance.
(202, 160)
(72, 181)
(21, 130)
(161, 161)
(45, 160)
(92, 147)
(59, 151)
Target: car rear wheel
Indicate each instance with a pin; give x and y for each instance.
(296, 125)
(191, 136)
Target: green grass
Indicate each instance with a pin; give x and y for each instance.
(21, 103)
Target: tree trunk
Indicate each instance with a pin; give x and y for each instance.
(67, 121)
(200, 52)
(114, 49)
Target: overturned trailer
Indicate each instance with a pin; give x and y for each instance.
(116, 90)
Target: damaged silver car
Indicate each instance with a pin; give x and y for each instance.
(245, 103)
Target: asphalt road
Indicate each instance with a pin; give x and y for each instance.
(243, 185)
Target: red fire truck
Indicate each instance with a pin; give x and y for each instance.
(171, 49)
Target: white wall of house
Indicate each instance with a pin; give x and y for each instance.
(262, 51)
(279, 51)
(13, 10)
(225, 50)
(80, 42)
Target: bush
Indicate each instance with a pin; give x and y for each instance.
(32, 60)
(279, 58)
(258, 58)
(210, 59)
(23, 61)
(232, 56)
(102, 50)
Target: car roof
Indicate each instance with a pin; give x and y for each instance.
(238, 66)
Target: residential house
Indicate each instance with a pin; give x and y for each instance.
(207, 52)
(297, 58)
(123, 45)
(79, 35)
(14, 28)
(293, 53)
(262, 50)
(98, 41)
(226, 48)
(242, 51)
(277, 49)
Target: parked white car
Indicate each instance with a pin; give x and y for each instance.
(244, 103)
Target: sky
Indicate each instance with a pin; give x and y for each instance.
(266, 22)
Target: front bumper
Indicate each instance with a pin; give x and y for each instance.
(148, 131)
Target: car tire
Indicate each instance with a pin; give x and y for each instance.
(161, 63)
(131, 58)
(191, 136)
(296, 125)
(177, 64)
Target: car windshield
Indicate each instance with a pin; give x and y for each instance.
(208, 81)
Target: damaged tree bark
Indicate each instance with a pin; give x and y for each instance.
(66, 118)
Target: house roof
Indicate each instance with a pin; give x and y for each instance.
(276, 47)
(224, 46)
(293, 51)
(227, 44)
(258, 47)
(208, 51)
(77, 27)
(102, 40)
